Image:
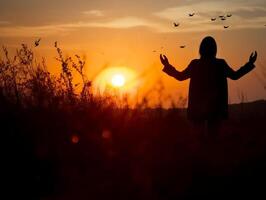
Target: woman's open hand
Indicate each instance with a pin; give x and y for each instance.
(253, 57)
(164, 60)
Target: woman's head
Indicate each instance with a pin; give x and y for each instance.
(208, 48)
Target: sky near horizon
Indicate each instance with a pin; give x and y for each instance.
(132, 34)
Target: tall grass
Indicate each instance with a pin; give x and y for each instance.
(62, 142)
(25, 81)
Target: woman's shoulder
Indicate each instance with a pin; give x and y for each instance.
(220, 60)
(194, 61)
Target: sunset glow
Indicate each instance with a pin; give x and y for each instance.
(122, 78)
(132, 35)
(142, 99)
(118, 80)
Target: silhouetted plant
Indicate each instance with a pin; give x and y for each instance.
(62, 136)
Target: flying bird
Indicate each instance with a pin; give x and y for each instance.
(226, 26)
(182, 46)
(176, 24)
(37, 42)
(191, 14)
(213, 19)
(223, 18)
(229, 15)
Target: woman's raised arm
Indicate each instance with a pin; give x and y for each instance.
(171, 71)
(235, 75)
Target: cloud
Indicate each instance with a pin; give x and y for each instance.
(4, 22)
(124, 22)
(95, 13)
(45, 30)
(245, 15)
(30, 31)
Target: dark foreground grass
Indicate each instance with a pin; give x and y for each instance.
(60, 144)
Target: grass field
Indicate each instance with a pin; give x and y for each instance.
(60, 144)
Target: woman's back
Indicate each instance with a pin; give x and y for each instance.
(208, 89)
(208, 93)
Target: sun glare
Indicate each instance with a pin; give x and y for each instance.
(118, 80)
(122, 78)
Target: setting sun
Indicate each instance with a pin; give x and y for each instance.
(118, 80)
(122, 78)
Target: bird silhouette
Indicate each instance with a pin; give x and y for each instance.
(176, 24)
(182, 46)
(229, 15)
(191, 14)
(226, 26)
(37, 42)
(213, 19)
(154, 51)
(223, 18)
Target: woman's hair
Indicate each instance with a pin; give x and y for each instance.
(208, 47)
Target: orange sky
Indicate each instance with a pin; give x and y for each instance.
(119, 33)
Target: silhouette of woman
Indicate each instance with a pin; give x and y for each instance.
(208, 92)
